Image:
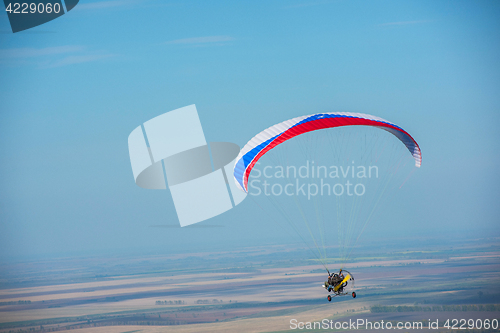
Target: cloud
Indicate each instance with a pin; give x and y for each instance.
(78, 59)
(308, 4)
(103, 4)
(403, 23)
(190, 226)
(28, 52)
(202, 40)
(49, 57)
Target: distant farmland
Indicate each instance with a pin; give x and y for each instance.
(259, 290)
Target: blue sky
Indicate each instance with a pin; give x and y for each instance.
(73, 89)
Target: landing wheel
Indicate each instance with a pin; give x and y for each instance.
(329, 298)
(353, 294)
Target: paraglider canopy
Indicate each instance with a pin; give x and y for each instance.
(279, 133)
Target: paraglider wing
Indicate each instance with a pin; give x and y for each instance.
(279, 133)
